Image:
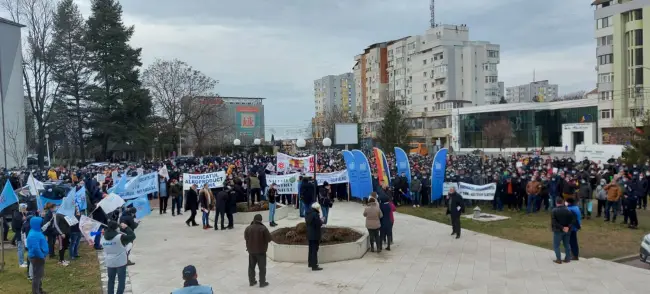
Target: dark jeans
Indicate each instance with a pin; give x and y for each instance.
(631, 213)
(565, 239)
(532, 203)
(192, 217)
(51, 240)
(573, 243)
(373, 235)
(177, 203)
(601, 207)
(98, 238)
(455, 224)
(64, 242)
(218, 214)
(260, 261)
(230, 221)
(163, 204)
(643, 201)
(613, 206)
(75, 238)
(38, 271)
(121, 279)
(386, 235)
(312, 257)
(256, 194)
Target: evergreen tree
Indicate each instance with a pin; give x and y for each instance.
(393, 130)
(120, 106)
(71, 68)
(638, 151)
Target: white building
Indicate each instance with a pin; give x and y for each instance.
(539, 91)
(12, 144)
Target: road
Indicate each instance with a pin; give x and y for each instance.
(637, 263)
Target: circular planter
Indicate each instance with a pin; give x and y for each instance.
(326, 253)
(245, 218)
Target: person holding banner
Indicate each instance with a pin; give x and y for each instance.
(115, 254)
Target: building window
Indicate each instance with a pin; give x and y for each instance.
(425, 97)
(424, 74)
(424, 62)
(490, 79)
(426, 109)
(424, 87)
(493, 53)
(606, 77)
(606, 59)
(604, 22)
(605, 40)
(636, 112)
(606, 95)
(606, 113)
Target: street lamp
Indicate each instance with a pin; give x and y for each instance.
(301, 143)
(47, 144)
(327, 142)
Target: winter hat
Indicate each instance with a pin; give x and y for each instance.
(315, 206)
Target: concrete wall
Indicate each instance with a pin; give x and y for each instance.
(11, 90)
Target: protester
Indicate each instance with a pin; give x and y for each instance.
(163, 196)
(62, 228)
(191, 284)
(575, 227)
(454, 210)
(314, 224)
(205, 198)
(37, 249)
(325, 200)
(614, 193)
(271, 196)
(585, 194)
(256, 188)
(257, 238)
(191, 204)
(561, 221)
(75, 237)
(221, 205)
(115, 254)
(373, 215)
(416, 187)
(17, 227)
(386, 230)
(128, 217)
(601, 197)
(176, 192)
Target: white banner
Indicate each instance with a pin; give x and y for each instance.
(338, 177)
(214, 180)
(87, 226)
(111, 202)
(476, 192)
(448, 185)
(286, 184)
(287, 163)
(141, 185)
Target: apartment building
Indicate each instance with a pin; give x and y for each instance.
(539, 91)
(620, 28)
(335, 92)
(428, 75)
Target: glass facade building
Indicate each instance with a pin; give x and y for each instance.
(530, 128)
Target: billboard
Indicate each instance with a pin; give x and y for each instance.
(247, 119)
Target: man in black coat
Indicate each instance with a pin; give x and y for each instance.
(192, 204)
(314, 224)
(221, 207)
(307, 191)
(455, 209)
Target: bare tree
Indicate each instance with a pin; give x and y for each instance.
(327, 122)
(169, 82)
(205, 120)
(40, 88)
(498, 131)
(571, 96)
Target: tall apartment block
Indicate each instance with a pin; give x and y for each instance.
(623, 72)
(333, 94)
(539, 91)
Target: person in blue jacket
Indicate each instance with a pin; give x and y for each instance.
(36, 252)
(575, 227)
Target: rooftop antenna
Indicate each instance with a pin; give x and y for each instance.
(432, 7)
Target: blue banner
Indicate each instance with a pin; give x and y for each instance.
(403, 165)
(438, 174)
(353, 174)
(67, 204)
(363, 173)
(140, 186)
(141, 205)
(80, 198)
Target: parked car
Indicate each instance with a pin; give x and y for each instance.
(645, 249)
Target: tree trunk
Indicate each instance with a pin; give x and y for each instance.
(82, 149)
(41, 146)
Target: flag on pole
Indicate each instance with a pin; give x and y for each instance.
(67, 204)
(8, 196)
(34, 185)
(120, 186)
(141, 205)
(111, 202)
(88, 227)
(164, 172)
(80, 198)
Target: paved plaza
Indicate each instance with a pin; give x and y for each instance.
(425, 259)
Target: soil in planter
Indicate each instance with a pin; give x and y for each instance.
(298, 235)
(260, 206)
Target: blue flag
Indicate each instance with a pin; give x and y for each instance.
(80, 198)
(438, 174)
(44, 200)
(67, 204)
(120, 186)
(141, 205)
(353, 174)
(8, 196)
(363, 172)
(403, 166)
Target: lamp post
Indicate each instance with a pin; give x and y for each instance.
(257, 142)
(47, 145)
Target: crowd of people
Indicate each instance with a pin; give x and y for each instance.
(523, 183)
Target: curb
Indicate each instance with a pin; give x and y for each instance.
(625, 258)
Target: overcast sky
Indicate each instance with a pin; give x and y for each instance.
(276, 49)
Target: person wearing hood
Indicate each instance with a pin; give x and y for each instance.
(314, 224)
(191, 284)
(257, 238)
(115, 254)
(17, 225)
(601, 197)
(37, 249)
(585, 193)
(386, 230)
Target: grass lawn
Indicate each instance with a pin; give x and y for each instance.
(81, 276)
(596, 238)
